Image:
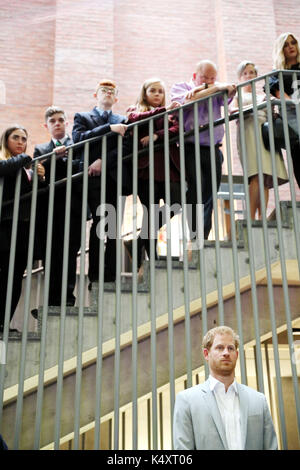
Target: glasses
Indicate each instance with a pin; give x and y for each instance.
(106, 90)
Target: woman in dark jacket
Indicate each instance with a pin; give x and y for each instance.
(13, 144)
(286, 55)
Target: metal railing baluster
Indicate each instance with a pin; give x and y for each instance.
(250, 239)
(80, 325)
(169, 270)
(185, 253)
(19, 408)
(215, 206)
(284, 277)
(40, 391)
(134, 293)
(118, 299)
(235, 250)
(100, 306)
(201, 223)
(152, 235)
(60, 371)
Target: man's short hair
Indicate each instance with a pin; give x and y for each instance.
(202, 63)
(106, 82)
(53, 110)
(219, 330)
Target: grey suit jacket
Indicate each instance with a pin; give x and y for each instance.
(198, 423)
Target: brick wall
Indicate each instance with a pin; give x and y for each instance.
(26, 63)
(54, 51)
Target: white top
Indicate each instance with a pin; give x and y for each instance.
(229, 407)
(62, 141)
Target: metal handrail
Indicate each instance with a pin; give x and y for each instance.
(141, 152)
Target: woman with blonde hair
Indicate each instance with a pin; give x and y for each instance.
(13, 145)
(247, 71)
(286, 52)
(151, 102)
(286, 56)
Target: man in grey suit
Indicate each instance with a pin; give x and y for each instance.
(221, 414)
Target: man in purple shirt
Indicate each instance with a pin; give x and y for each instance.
(202, 84)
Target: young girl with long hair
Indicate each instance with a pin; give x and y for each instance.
(151, 102)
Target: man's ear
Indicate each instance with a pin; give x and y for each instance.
(95, 95)
(45, 125)
(205, 353)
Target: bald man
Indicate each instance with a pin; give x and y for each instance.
(202, 84)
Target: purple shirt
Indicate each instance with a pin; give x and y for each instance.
(178, 93)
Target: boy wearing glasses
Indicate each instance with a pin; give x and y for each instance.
(98, 122)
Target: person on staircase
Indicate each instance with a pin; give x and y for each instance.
(203, 84)
(286, 56)
(247, 71)
(96, 123)
(13, 159)
(151, 102)
(56, 124)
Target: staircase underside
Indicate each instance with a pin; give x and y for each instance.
(88, 384)
(222, 291)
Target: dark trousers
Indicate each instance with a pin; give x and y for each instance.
(19, 268)
(57, 245)
(94, 242)
(206, 182)
(57, 254)
(208, 208)
(159, 193)
(295, 154)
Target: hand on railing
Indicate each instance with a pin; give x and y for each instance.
(190, 94)
(61, 151)
(173, 105)
(95, 168)
(231, 88)
(119, 128)
(145, 140)
(28, 165)
(40, 172)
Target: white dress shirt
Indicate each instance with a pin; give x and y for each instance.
(229, 407)
(62, 141)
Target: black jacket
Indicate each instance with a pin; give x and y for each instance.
(90, 124)
(8, 170)
(61, 163)
(287, 81)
